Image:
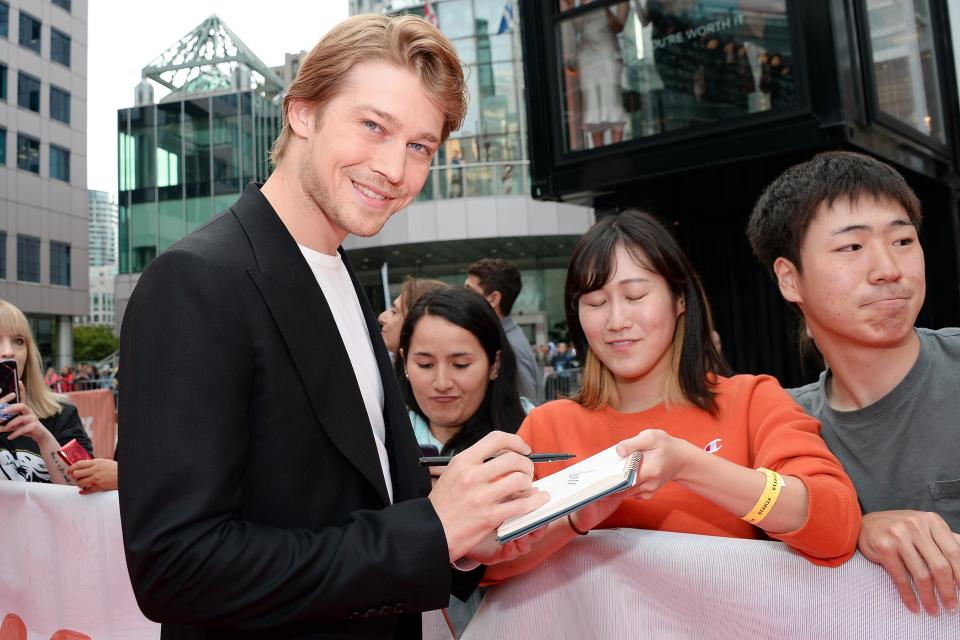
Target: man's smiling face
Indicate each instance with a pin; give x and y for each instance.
(368, 153)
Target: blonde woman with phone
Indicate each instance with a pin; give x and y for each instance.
(35, 422)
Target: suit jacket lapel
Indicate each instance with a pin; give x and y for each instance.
(310, 332)
(409, 480)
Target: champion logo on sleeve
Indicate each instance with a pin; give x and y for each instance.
(714, 445)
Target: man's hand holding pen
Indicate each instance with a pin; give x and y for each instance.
(473, 496)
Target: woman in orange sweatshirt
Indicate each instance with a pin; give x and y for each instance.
(724, 456)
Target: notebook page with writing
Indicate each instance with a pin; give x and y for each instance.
(574, 487)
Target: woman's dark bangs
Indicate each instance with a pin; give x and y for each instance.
(594, 265)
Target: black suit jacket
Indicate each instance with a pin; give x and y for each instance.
(251, 494)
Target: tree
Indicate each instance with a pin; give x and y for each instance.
(93, 342)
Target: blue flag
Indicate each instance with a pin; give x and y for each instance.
(506, 19)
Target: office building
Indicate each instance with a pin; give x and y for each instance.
(43, 167)
(189, 156)
(102, 234)
(102, 228)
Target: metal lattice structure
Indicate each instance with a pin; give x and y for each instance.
(211, 59)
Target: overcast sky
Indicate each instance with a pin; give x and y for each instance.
(124, 37)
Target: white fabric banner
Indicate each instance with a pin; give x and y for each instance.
(62, 566)
(628, 583)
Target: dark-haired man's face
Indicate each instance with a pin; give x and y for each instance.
(369, 154)
(863, 275)
(493, 298)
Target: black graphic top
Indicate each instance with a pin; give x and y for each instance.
(20, 459)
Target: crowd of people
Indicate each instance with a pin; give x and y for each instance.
(82, 376)
(275, 487)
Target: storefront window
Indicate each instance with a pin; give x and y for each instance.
(631, 70)
(905, 64)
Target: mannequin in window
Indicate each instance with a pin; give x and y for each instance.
(599, 67)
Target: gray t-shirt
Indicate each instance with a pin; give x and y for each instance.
(902, 451)
(527, 378)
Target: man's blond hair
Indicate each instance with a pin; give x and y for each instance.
(407, 41)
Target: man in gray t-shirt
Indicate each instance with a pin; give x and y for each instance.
(839, 233)
(902, 451)
(499, 282)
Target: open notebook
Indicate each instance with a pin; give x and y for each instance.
(576, 486)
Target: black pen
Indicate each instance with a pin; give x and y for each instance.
(439, 461)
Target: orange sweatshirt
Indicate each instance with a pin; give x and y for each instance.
(757, 425)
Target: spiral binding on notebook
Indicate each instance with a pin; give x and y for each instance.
(635, 459)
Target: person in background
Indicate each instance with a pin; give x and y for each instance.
(392, 319)
(52, 379)
(43, 421)
(499, 282)
(66, 379)
(563, 357)
(839, 233)
(459, 380)
(457, 375)
(723, 456)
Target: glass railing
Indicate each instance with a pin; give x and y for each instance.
(479, 179)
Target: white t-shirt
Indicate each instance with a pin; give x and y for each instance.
(334, 281)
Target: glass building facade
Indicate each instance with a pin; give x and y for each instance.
(476, 200)
(487, 156)
(182, 162)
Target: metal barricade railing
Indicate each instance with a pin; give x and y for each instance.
(561, 384)
(84, 385)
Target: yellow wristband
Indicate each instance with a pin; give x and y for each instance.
(767, 499)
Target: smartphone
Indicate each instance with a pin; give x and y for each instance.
(8, 384)
(429, 450)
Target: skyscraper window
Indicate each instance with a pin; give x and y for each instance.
(59, 263)
(59, 47)
(59, 104)
(4, 19)
(59, 163)
(28, 92)
(28, 153)
(28, 258)
(29, 32)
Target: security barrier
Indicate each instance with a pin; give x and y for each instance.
(62, 566)
(629, 583)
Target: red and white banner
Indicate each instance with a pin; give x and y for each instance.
(62, 568)
(99, 417)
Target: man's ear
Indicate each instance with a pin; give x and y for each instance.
(494, 299)
(301, 116)
(788, 278)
